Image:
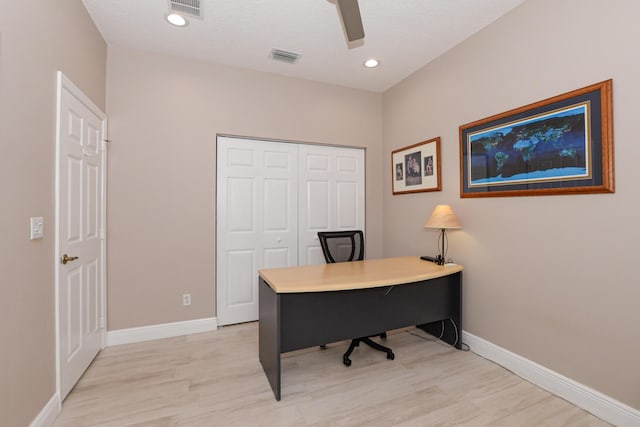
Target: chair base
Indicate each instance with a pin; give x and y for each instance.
(367, 340)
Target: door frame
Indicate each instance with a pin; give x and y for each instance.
(63, 82)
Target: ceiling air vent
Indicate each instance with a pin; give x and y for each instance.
(284, 56)
(187, 7)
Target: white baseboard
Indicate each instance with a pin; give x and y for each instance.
(599, 404)
(165, 330)
(48, 414)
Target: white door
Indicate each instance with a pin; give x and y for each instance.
(79, 232)
(331, 196)
(256, 220)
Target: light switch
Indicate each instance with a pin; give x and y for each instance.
(37, 227)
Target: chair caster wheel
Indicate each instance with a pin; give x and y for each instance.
(323, 347)
(346, 361)
(391, 356)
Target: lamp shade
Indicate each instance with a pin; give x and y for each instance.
(443, 217)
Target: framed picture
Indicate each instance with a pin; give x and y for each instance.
(416, 168)
(561, 145)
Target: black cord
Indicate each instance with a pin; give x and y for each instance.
(434, 339)
(455, 327)
(458, 337)
(438, 340)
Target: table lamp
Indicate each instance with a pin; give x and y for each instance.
(443, 218)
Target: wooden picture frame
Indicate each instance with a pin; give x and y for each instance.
(416, 168)
(561, 145)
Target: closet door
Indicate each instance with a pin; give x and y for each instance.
(331, 195)
(257, 224)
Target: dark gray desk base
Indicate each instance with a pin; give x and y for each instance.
(292, 321)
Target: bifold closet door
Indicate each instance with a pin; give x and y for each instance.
(331, 195)
(257, 220)
(272, 199)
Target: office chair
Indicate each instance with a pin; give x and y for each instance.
(345, 246)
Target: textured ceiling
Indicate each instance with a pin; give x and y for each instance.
(403, 34)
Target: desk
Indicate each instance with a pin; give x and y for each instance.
(308, 306)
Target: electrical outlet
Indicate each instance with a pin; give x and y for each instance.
(186, 299)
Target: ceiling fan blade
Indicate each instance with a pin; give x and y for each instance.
(351, 19)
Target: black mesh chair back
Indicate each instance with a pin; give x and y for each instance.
(342, 246)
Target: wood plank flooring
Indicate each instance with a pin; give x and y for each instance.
(215, 379)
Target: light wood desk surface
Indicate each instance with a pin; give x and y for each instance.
(343, 276)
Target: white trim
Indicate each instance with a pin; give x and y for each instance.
(591, 400)
(64, 82)
(56, 266)
(48, 414)
(103, 232)
(165, 330)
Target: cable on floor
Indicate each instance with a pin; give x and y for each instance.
(438, 340)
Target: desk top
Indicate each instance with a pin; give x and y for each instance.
(344, 276)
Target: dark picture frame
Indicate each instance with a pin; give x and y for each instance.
(416, 168)
(560, 145)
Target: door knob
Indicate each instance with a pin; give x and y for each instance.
(278, 239)
(66, 258)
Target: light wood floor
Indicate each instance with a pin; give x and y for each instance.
(215, 379)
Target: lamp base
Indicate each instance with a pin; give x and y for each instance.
(438, 259)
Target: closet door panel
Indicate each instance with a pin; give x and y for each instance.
(347, 209)
(317, 206)
(257, 220)
(331, 195)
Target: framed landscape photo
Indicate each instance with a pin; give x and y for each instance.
(561, 145)
(416, 168)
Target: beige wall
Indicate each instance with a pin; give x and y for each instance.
(38, 38)
(550, 278)
(164, 114)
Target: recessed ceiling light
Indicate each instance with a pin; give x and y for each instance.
(176, 20)
(371, 63)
